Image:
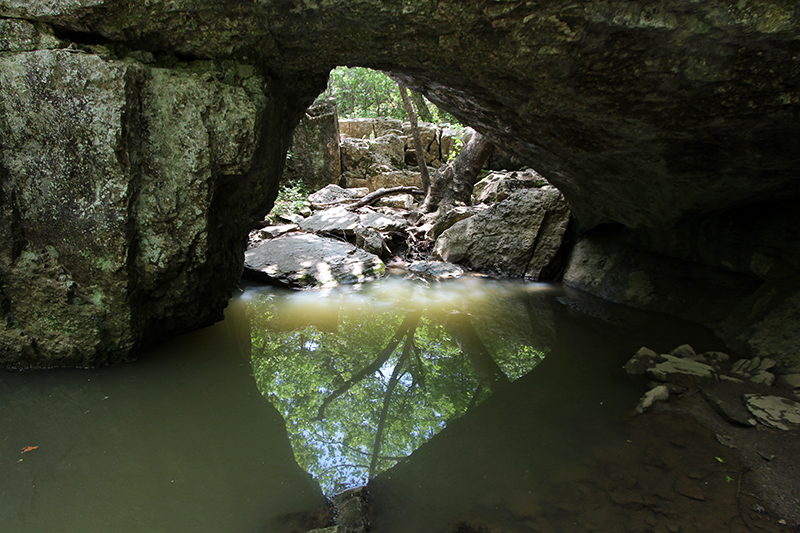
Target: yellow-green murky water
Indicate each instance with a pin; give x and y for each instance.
(472, 405)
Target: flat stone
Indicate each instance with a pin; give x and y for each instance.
(270, 232)
(333, 220)
(774, 411)
(682, 371)
(333, 193)
(305, 260)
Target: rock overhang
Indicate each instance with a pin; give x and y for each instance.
(668, 119)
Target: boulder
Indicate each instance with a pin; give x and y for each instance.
(314, 157)
(440, 223)
(429, 136)
(518, 237)
(397, 201)
(362, 158)
(726, 398)
(110, 171)
(643, 359)
(304, 260)
(499, 185)
(656, 394)
(370, 240)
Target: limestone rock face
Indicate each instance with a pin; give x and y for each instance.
(518, 237)
(315, 158)
(114, 178)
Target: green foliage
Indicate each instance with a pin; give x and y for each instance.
(366, 93)
(363, 92)
(306, 346)
(292, 197)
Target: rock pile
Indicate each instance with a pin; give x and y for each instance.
(520, 235)
(746, 392)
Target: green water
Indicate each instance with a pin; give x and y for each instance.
(468, 406)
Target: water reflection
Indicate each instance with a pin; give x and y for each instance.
(364, 377)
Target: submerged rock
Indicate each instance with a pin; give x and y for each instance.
(305, 260)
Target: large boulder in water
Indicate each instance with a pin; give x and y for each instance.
(518, 237)
(305, 260)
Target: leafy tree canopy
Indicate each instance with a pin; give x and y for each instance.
(350, 412)
(366, 93)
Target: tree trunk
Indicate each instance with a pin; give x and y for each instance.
(422, 108)
(412, 117)
(452, 184)
(460, 328)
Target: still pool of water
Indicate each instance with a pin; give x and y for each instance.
(473, 405)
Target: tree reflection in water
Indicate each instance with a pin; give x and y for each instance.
(364, 378)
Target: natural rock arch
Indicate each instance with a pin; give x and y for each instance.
(670, 128)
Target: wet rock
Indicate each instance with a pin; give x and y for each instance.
(643, 359)
(626, 499)
(304, 260)
(774, 411)
(656, 394)
(436, 269)
(682, 371)
(518, 237)
(726, 399)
